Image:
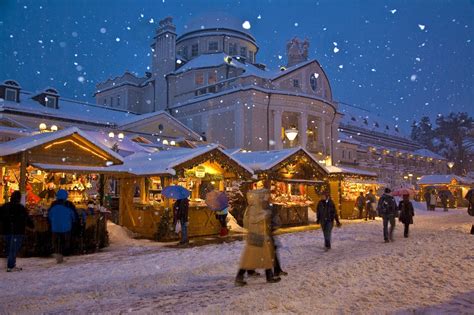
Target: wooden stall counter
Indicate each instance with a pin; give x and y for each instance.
(292, 215)
(89, 239)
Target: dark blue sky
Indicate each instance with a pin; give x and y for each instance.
(403, 59)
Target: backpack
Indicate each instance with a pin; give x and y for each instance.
(385, 205)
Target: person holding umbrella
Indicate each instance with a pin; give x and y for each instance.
(180, 209)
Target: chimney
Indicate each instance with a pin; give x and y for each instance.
(297, 51)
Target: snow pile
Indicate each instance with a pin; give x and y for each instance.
(429, 272)
(120, 236)
(234, 226)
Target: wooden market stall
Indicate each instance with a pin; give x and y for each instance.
(145, 211)
(457, 186)
(346, 184)
(39, 165)
(295, 177)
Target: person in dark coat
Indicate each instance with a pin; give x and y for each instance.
(387, 209)
(326, 214)
(181, 209)
(14, 219)
(427, 196)
(370, 205)
(62, 215)
(444, 200)
(406, 213)
(470, 207)
(360, 204)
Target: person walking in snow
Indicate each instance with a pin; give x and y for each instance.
(470, 207)
(14, 219)
(387, 209)
(427, 196)
(360, 204)
(406, 213)
(326, 215)
(181, 210)
(444, 200)
(259, 251)
(370, 205)
(62, 215)
(433, 200)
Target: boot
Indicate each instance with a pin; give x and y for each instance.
(472, 229)
(270, 277)
(239, 279)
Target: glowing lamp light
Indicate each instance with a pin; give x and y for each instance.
(42, 127)
(109, 163)
(450, 165)
(165, 142)
(54, 128)
(228, 59)
(172, 142)
(291, 133)
(120, 136)
(111, 134)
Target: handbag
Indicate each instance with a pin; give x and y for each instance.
(177, 228)
(255, 239)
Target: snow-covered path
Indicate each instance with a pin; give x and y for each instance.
(430, 272)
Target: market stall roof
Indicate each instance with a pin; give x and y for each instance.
(78, 138)
(169, 161)
(266, 160)
(75, 168)
(125, 146)
(444, 179)
(349, 171)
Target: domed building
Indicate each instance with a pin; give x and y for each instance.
(209, 79)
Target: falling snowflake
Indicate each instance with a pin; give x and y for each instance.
(259, 17)
(117, 39)
(341, 66)
(334, 43)
(74, 34)
(280, 56)
(373, 70)
(336, 50)
(246, 25)
(413, 77)
(421, 26)
(316, 75)
(151, 21)
(81, 79)
(393, 11)
(417, 59)
(296, 24)
(103, 30)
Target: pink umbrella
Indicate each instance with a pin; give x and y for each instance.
(403, 191)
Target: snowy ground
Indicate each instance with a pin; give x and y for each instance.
(431, 272)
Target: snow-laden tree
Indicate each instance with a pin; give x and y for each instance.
(423, 133)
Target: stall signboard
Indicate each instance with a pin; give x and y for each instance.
(200, 171)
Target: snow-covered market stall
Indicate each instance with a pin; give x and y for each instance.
(145, 211)
(455, 186)
(39, 165)
(296, 179)
(346, 184)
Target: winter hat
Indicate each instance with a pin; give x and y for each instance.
(15, 197)
(387, 190)
(61, 194)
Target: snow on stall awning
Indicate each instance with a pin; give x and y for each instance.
(76, 168)
(348, 170)
(444, 179)
(265, 160)
(29, 142)
(164, 162)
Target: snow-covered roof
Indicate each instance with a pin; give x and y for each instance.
(125, 146)
(265, 160)
(428, 153)
(331, 169)
(443, 179)
(163, 162)
(67, 110)
(347, 138)
(365, 119)
(29, 142)
(75, 168)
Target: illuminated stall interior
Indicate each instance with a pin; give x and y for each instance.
(296, 180)
(142, 207)
(457, 186)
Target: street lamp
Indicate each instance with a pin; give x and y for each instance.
(291, 134)
(450, 165)
(54, 128)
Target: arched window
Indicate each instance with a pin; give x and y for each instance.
(313, 81)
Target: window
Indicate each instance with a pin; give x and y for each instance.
(212, 78)
(343, 154)
(296, 83)
(185, 52)
(213, 46)
(194, 50)
(212, 89)
(199, 79)
(243, 51)
(10, 95)
(111, 101)
(251, 56)
(349, 155)
(118, 100)
(232, 49)
(313, 81)
(105, 101)
(50, 101)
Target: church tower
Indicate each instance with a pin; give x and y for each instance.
(163, 59)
